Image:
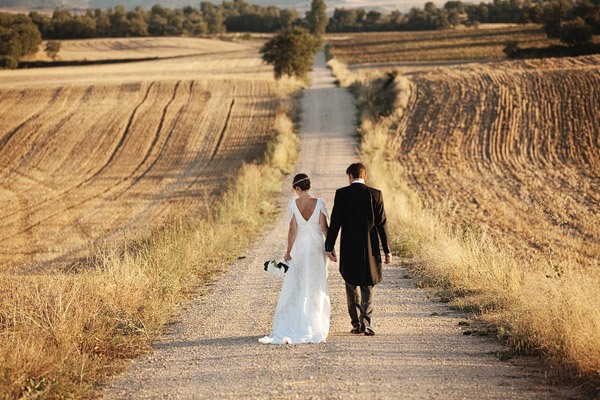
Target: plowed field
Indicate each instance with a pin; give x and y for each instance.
(422, 46)
(91, 154)
(512, 148)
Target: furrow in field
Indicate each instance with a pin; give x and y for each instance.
(512, 150)
(110, 188)
(116, 158)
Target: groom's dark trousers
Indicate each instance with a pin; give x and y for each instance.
(360, 303)
(359, 212)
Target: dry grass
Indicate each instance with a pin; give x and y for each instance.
(489, 136)
(86, 152)
(470, 44)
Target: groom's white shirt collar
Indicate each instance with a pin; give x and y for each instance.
(359, 181)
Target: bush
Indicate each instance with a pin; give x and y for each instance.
(52, 48)
(511, 47)
(8, 62)
(575, 32)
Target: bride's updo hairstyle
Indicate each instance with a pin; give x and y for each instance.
(301, 181)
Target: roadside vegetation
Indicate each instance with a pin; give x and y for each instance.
(535, 296)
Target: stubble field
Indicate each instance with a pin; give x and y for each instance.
(135, 48)
(513, 147)
(90, 154)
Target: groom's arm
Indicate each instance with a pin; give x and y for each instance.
(380, 223)
(335, 224)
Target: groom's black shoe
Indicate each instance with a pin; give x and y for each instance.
(356, 330)
(367, 330)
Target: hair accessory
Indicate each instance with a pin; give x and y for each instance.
(300, 180)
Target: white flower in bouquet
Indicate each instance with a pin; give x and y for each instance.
(276, 269)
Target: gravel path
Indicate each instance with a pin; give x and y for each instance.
(419, 351)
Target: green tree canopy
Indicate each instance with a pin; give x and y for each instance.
(290, 52)
(52, 48)
(19, 36)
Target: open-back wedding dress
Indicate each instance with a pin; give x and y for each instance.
(303, 309)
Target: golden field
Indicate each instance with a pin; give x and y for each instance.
(512, 148)
(135, 48)
(121, 187)
(89, 154)
(493, 175)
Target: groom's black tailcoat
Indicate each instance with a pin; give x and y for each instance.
(358, 210)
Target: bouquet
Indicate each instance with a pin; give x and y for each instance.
(275, 268)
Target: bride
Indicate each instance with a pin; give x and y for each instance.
(302, 313)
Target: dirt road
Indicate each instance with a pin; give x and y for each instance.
(419, 350)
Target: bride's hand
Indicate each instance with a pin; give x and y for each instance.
(331, 255)
(287, 257)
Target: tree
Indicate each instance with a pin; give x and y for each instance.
(317, 17)
(8, 62)
(511, 48)
(19, 36)
(213, 17)
(52, 48)
(458, 6)
(573, 24)
(288, 16)
(373, 17)
(555, 12)
(575, 32)
(290, 52)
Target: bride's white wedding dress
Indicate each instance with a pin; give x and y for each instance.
(303, 309)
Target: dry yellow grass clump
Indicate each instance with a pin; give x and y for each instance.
(122, 187)
(493, 176)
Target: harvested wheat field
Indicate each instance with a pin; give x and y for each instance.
(135, 48)
(92, 154)
(512, 148)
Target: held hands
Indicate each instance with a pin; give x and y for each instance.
(331, 255)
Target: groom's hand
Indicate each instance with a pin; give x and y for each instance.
(388, 258)
(331, 255)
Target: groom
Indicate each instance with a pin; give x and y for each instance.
(358, 211)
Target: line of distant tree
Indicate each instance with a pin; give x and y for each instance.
(572, 21)
(234, 16)
(455, 13)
